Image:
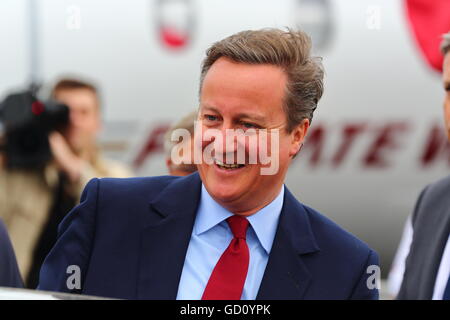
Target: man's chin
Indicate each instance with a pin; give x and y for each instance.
(226, 194)
(224, 188)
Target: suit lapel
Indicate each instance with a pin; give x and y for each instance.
(165, 238)
(167, 232)
(286, 275)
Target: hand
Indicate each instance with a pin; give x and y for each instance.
(65, 159)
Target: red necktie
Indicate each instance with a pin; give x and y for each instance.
(228, 277)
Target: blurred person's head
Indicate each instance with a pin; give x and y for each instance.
(187, 167)
(445, 49)
(84, 105)
(264, 79)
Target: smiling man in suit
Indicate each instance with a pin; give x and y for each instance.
(229, 231)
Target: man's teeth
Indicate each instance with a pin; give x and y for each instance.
(228, 166)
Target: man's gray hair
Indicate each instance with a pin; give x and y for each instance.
(289, 50)
(445, 44)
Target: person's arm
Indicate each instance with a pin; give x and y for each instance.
(9, 271)
(80, 171)
(65, 267)
(368, 284)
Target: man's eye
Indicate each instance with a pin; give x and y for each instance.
(249, 125)
(210, 117)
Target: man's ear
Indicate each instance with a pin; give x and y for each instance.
(298, 136)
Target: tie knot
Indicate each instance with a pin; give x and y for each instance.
(238, 226)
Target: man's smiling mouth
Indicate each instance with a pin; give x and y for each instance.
(225, 166)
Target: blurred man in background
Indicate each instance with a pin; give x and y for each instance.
(35, 201)
(182, 169)
(9, 272)
(426, 241)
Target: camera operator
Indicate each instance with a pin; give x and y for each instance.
(34, 201)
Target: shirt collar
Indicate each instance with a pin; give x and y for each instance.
(264, 222)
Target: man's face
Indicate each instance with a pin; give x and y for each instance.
(244, 96)
(84, 117)
(446, 80)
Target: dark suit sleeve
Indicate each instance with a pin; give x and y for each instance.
(65, 267)
(9, 272)
(368, 284)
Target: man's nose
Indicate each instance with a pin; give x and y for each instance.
(229, 140)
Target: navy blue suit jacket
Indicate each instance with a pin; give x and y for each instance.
(129, 238)
(9, 272)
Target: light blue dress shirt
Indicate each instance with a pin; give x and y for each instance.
(211, 236)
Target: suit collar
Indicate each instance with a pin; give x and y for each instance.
(264, 222)
(183, 192)
(295, 221)
(210, 213)
(286, 275)
(165, 238)
(166, 235)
